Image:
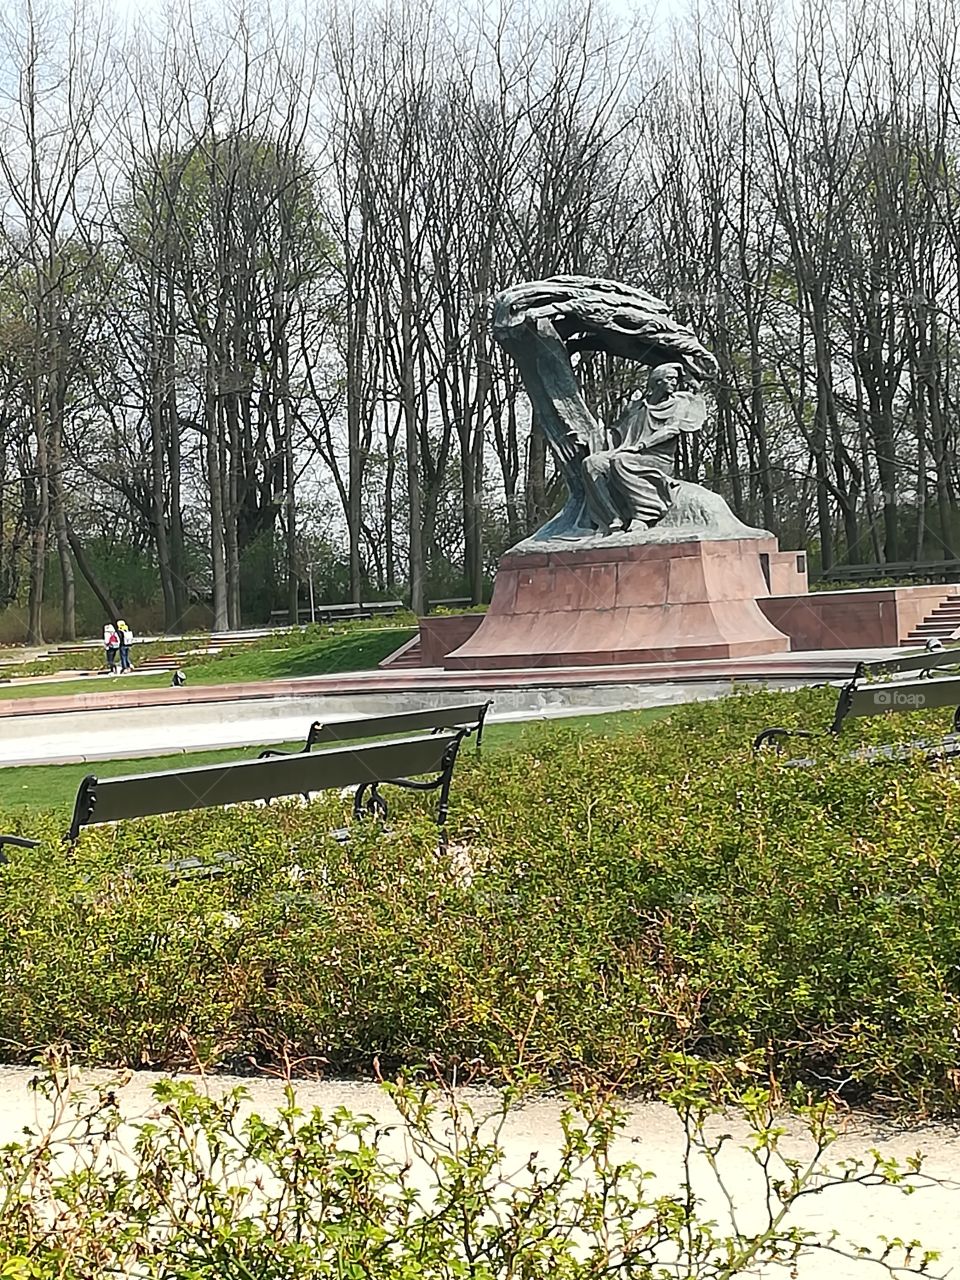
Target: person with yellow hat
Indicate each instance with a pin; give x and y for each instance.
(126, 640)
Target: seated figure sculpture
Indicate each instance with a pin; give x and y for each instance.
(634, 478)
(620, 481)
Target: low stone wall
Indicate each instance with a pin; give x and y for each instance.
(442, 633)
(870, 618)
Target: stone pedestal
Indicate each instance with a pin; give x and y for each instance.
(646, 602)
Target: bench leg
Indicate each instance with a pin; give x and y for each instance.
(367, 800)
(446, 778)
(844, 703)
(367, 796)
(480, 724)
(18, 842)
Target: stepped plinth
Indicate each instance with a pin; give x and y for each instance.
(640, 601)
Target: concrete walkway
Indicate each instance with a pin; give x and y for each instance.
(66, 737)
(127, 721)
(653, 1137)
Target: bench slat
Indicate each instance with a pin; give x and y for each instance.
(399, 722)
(208, 786)
(902, 695)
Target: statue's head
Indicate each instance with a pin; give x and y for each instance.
(664, 380)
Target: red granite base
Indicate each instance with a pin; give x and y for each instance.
(652, 602)
(866, 617)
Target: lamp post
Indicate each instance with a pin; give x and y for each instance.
(313, 613)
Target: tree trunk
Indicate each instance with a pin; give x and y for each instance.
(76, 546)
(221, 621)
(158, 513)
(68, 603)
(171, 415)
(38, 556)
(411, 439)
(38, 538)
(290, 494)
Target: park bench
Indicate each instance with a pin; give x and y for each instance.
(451, 602)
(470, 717)
(934, 657)
(385, 607)
(857, 694)
(859, 697)
(322, 613)
(424, 763)
(914, 570)
(338, 612)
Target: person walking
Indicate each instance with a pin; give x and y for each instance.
(126, 640)
(111, 646)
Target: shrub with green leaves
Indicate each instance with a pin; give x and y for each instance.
(604, 904)
(202, 1188)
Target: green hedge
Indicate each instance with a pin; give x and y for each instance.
(606, 903)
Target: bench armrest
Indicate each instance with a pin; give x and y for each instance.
(19, 842)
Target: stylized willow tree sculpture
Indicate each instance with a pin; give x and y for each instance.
(543, 323)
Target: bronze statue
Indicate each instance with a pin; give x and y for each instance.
(633, 479)
(621, 480)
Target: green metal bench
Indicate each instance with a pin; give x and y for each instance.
(470, 716)
(915, 570)
(424, 763)
(873, 698)
(934, 657)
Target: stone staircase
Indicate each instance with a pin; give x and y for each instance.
(158, 663)
(942, 624)
(408, 655)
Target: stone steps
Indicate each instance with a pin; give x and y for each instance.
(942, 624)
(408, 655)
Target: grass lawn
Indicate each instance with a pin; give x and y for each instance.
(89, 684)
(37, 787)
(352, 650)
